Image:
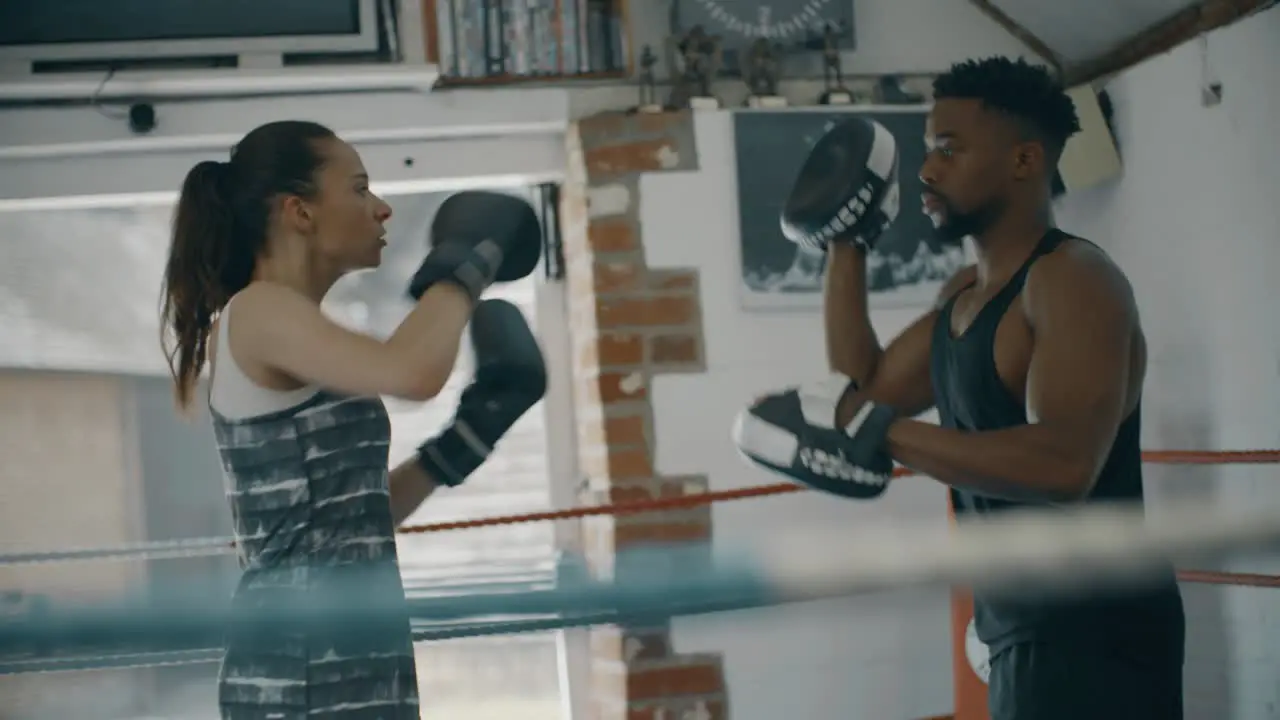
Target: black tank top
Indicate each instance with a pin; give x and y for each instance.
(970, 395)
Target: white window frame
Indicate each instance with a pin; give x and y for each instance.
(551, 299)
(77, 157)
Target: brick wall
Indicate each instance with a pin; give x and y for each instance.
(630, 322)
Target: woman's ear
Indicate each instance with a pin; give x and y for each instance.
(297, 214)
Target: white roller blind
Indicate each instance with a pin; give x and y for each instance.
(79, 290)
(513, 480)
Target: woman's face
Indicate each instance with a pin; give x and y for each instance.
(348, 218)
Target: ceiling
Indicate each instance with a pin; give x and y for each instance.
(1091, 39)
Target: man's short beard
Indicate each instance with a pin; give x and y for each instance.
(956, 225)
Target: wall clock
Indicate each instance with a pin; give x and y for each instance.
(792, 23)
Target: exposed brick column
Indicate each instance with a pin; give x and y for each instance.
(630, 322)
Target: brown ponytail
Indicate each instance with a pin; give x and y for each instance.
(194, 287)
(220, 228)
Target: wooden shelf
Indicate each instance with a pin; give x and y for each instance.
(482, 43)
(464, 82)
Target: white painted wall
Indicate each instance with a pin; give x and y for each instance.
(1194, 221)
(884, 658)
(1195, 208)
(451, 137)
(893, 36)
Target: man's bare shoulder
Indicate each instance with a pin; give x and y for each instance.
(1079, 268)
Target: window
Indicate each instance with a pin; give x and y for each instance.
(507, 676)
(79, 290)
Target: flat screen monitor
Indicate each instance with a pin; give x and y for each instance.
(70, 30)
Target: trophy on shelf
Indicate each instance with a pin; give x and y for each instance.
(648, 86)
(832, 73)
(696, 59)
(889, 91)
(760, 72)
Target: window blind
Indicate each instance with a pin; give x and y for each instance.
(79, 291)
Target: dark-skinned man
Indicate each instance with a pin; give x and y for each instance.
(1034, 358)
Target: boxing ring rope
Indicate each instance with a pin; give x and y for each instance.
(1063, 548)
(203, 547)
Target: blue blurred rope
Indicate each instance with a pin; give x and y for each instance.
(1058, 550)
(657, 586)
(622, 604)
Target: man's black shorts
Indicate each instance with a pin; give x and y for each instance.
(1046, 681)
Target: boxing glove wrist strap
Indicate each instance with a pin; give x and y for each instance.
(471, 267)
(451, 456)
(483, 418)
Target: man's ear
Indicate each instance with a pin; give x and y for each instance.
(1029, 160)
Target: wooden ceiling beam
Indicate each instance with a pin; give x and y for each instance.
(1027, 37)
(1164, 36)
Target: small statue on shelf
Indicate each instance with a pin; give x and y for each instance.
(648, 85)
(760, 72)
(697, 58)
(889, 91)
(832, 71)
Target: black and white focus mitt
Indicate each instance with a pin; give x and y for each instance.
(793, 433)
(847, 189)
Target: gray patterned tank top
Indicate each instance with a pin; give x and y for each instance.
(310, 502)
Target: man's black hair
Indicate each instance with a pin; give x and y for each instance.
(1026, 93)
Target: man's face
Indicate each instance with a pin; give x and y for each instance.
(969, 167)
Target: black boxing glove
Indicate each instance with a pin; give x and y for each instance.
(847, 189)
(477, 238)
(793, 433)
(510, 378)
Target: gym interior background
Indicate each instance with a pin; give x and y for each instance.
(651, 349)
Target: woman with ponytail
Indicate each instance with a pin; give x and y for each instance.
(258, 240)
(199, 278)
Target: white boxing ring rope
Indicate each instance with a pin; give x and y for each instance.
(154, 550)
(1063, 549)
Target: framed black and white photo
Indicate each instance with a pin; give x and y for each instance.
(907, 266)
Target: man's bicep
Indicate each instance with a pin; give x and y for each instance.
(902, 379)
(1083, 319)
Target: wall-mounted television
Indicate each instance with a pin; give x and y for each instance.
(104, 30)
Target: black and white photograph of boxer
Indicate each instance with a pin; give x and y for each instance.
(908, 264)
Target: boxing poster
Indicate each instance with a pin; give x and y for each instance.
(907, 266)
